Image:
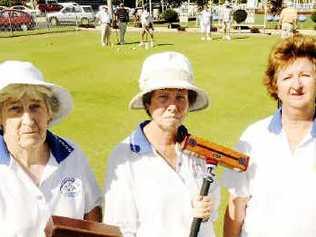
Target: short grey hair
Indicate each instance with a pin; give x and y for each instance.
(34, 91)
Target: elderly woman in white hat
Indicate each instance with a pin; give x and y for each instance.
(45, 168)
(152, 186)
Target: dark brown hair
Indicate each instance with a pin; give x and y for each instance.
(192, 95)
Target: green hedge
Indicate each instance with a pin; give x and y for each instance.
(170, 16)
(240, 15)
(313, 16)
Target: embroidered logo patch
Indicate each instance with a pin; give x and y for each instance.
(70, 187)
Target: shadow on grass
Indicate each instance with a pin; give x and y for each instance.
(138, 42)
(128, 43)
(164, 44)
(34, 32)
(240, 37)
(233, 38)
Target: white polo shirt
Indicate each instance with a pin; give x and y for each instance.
(226, 14)
(104, 17)
(21, 215)
(67, 188)
(280, 184)
(205, 18)
(145, 197)
(146, 19)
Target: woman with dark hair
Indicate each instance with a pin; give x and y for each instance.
(151, 185)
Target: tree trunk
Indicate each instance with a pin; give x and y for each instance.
(109, 3)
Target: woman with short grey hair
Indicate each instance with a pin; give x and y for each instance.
(49, 171)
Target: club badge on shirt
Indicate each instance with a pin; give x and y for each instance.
(70, 187)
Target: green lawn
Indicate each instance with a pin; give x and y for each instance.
(103, 80)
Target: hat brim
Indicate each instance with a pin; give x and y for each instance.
(202, 101)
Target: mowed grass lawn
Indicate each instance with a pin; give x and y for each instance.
(103, 80)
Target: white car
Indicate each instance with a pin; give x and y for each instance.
(69, 4)
(32, 12)
(78, 15)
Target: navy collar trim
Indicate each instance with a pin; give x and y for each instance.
(140, 144)
(138, 141)
(58, 146)
(313, 131)
(4, 153)
(275, 125)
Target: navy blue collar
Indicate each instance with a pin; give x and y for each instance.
(58, 146)
(138, 141)
(140, 144)
(275, 125)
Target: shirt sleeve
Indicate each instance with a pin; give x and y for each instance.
(119, 202)
(92, 193)
(236, 182)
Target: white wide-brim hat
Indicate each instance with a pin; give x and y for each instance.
(168, 70)
(25, 73)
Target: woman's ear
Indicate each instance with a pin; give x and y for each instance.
(50, 118)
(49, 112)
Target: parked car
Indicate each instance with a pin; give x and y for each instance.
(94, 3)
(301, 18)
(16, 20)
(81, 15)
(48, 6)
(32, 12)
(69, 4)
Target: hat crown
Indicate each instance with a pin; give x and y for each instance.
(168, 70)
(19, 72)
(165, 66)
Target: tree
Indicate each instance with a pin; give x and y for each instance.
(313, 16)
(201, 3)
(10, 3)
(175, 3)
(275, 7)
(128, 3)
(170, 16)
(240, 15)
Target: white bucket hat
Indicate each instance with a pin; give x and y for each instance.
(25, 73)
(168, 70)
